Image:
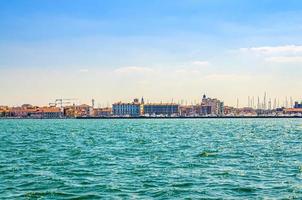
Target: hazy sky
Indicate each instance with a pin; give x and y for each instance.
(161, 49)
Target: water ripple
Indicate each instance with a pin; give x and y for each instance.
(143, 159)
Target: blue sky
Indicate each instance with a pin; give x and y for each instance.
(161, 49)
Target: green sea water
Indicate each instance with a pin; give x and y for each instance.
(151, 159)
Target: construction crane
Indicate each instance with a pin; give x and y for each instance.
(62, 102)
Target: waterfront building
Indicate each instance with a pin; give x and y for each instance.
(69, 111)
(2, 113)
(164, 109)
(247, 111)
(33, 112)
(102, 112)
(190, 110)
(51, 112)
(186, 111)
(4, 110)
(28, 106)
(230, 111)
(211, 106)
(22, 112)
(298, 105)
(293, 111)
(127, 109)
(83, 110)
(45, 112)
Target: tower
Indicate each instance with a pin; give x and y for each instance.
(269, 104)
(264, 101)
(92, 103)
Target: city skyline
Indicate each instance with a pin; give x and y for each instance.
(264, 102)
(117, 50)
(140, 108)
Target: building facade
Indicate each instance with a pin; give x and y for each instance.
(298, 105)
(50, 112)
(211, 106)
(33, 112)
(293, 111)
(83, 110)
(126, 109)
(167, 109)
(102, 112)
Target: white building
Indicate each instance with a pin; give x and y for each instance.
(211, 106)
(126, 109)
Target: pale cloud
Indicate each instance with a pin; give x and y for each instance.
(191, 68)
(201, 63)
(287, 54)
(284, 59)
(286, 49)
(228, 77)
(133, 69)
(187, 71)
(83, 70)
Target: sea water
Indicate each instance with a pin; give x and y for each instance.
(151, 159)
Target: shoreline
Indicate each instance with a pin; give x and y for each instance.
(199, 117)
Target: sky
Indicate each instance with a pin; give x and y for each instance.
(163, 50)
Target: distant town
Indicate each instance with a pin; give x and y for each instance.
(138, 108)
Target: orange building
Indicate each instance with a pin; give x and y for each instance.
(102, 112)
(292, 111)
(33, 112)
(78, 111)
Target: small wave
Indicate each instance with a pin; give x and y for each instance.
(245, 189)
(182, 185)
(207, 154)
(40, 194)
